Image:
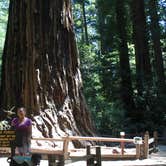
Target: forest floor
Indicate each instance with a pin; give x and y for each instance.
(155, 159)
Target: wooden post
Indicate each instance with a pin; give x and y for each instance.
(90, 159)
(13, 148)
(65, 148)
(98, 156)
(122, 134)
(88, 150)
(61, 160)
(142, 151)
(146, 145)
(88, 154)
(155, 136)
(51, 160)
(138, 151)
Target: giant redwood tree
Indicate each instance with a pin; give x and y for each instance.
(40, 67)
(156, 35)
(143, 66)
(126, 83)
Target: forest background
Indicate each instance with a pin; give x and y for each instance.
(122, 49)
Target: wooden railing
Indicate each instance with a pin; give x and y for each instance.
(148, 146)
(142, 150)
(68, 139)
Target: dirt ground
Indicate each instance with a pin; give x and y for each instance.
(155, 159)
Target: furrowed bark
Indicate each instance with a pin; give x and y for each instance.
(40, 68)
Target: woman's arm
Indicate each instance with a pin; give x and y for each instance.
(30, 131)
(14, 121)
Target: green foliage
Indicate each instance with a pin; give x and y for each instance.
(90, 18)
(3, 24)
(101, 72)
(100, 67)
(108, 116)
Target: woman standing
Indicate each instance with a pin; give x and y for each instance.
(23, 127)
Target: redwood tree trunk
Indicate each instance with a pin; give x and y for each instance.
(41, 67)
(143, 66)
(156, 35)
(126, 84)
(85, 22)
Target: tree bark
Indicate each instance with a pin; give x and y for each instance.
(156, 35)
(41, 68)
(143, 66)
(126, 83)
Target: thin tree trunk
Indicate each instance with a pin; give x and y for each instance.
(156, 35)
(41, 67)
(85, 22)
(100, 29)
(126, 84)
(143, 66)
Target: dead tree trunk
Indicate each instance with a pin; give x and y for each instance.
(41, 67)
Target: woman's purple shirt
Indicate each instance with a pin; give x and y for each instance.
(21, 126)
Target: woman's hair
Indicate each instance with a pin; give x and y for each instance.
(21, 108)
